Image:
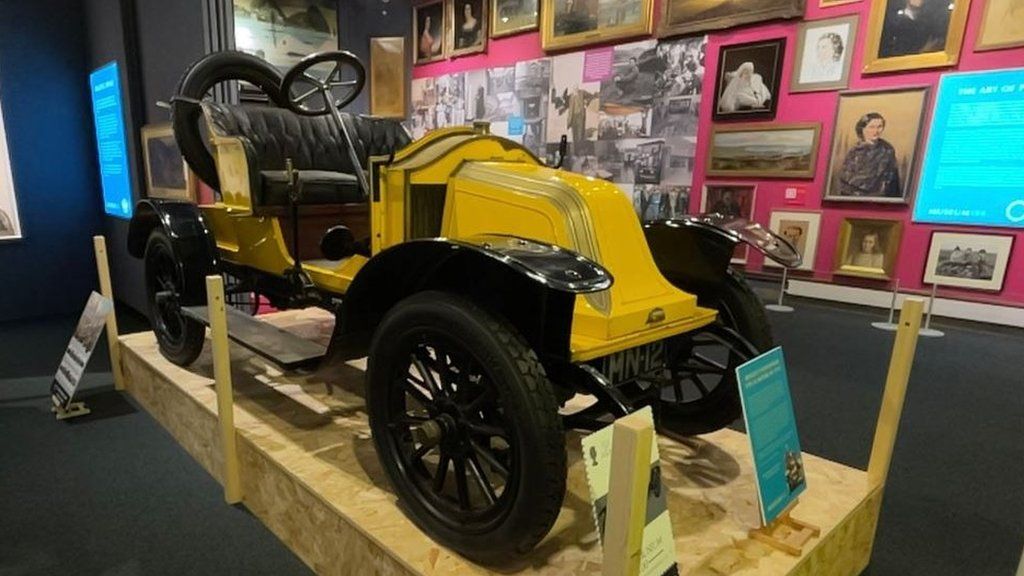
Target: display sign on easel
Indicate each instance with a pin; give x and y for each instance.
(778, 462)
(76, 357)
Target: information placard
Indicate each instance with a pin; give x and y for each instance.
(79, 350)
(972, 166)
(108, 115)
(771, 428)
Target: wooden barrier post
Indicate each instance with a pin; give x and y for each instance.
(99, 244)
(222, 381)
(895, 390)
(632, 438)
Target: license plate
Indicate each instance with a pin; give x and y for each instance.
(633, 363)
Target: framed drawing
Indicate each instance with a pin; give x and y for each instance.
(428, 31)
(686, 16)
(913, 34)
(387, 77)
(867, 248)
(467, 27)
(574, 23)
(874, 145)
(167, 174)
(801, 229)
(510, 17)
(10, 223)
(973, 261)
(748, 80)
(1002, 25)
(765, 151)
(730, 199)
(285, 31)
(824, 49)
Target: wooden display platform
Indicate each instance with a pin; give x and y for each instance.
(310, 473)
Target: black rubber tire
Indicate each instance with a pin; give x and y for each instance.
(526, 398)
(197, 80)
(181, 348)
(741, 309)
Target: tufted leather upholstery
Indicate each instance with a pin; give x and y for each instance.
(315, 145)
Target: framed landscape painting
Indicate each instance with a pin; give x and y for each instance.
(973, 261)
(687, 16)
(913, 34)
(510, 17)
(574, 23)
(765, 151)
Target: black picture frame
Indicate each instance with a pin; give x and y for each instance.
(766, 57)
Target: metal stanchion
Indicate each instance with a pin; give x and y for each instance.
(928, 331)
(890, 326)
(779, 306)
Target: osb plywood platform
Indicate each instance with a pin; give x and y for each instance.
(310, 473)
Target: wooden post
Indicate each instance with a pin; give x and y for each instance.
(222, 380)
(632, 438)
(99, 244)
(895, 390)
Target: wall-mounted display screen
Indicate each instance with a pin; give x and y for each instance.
(972, 166)
(111, 147)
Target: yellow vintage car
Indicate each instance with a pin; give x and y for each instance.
(500, 301)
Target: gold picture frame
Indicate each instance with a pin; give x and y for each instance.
(729, 144)
(831, 3)
(167, 174)
(580, 22)
(429, 32)
(677, 20)
(999, 13)
(465, 41)
(504, 23)
(889, 50)
(387, 77)
(868, 248)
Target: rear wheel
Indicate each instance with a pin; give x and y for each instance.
(466, 425)
(180, 338)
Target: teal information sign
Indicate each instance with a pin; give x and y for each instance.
(771, 427)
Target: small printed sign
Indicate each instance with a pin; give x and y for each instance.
(771, 428)
(796, 196)
(79, 350)
(659, 546)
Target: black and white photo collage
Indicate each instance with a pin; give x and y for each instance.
(629, 113)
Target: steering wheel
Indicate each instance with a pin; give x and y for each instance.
(318, 75)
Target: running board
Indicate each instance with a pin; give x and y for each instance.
(269, 341)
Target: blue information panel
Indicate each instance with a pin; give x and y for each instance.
(771, 428)
(972, 171)
(108, 114)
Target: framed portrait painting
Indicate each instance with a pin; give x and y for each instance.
(974, 261)
(428, 32)
(285, 31)
(868, 248)
(574, 23)
(913, 34)
(874, 145)
(824, 49)
(735, 200)
(801, 230)
(167, 174)
(387, 77)
(467, 28)
(764, 151)
(686, 16)
(747, 85)
(510, 17)
(1002, 25)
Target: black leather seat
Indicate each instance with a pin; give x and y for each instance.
(315, 145)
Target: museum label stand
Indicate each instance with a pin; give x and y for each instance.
(786, 533)
(73, 410)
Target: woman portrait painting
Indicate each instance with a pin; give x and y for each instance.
(870, 168)
(429, 20)
(868, 247)
(468, 32)
(868, 251)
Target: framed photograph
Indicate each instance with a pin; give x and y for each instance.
(824, 49)
(686, 16)
(428, 32)
(913, 34)
(167, 174)
(874, 145)
(868, 248)
(285, 31)
(1002, 25)
(387, 77)
(764, 151)
(467, 31)
(730, 199)
(574, 23)
(748, 80)
(974, 261)
(510, 17)
(801, 229)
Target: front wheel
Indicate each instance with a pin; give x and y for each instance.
(466, 425)
(180, 337)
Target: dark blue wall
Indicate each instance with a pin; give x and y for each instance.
(360, 20)
(44, 90)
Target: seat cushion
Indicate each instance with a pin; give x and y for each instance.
(318, 187)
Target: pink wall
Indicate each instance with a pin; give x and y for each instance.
(814, 107)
